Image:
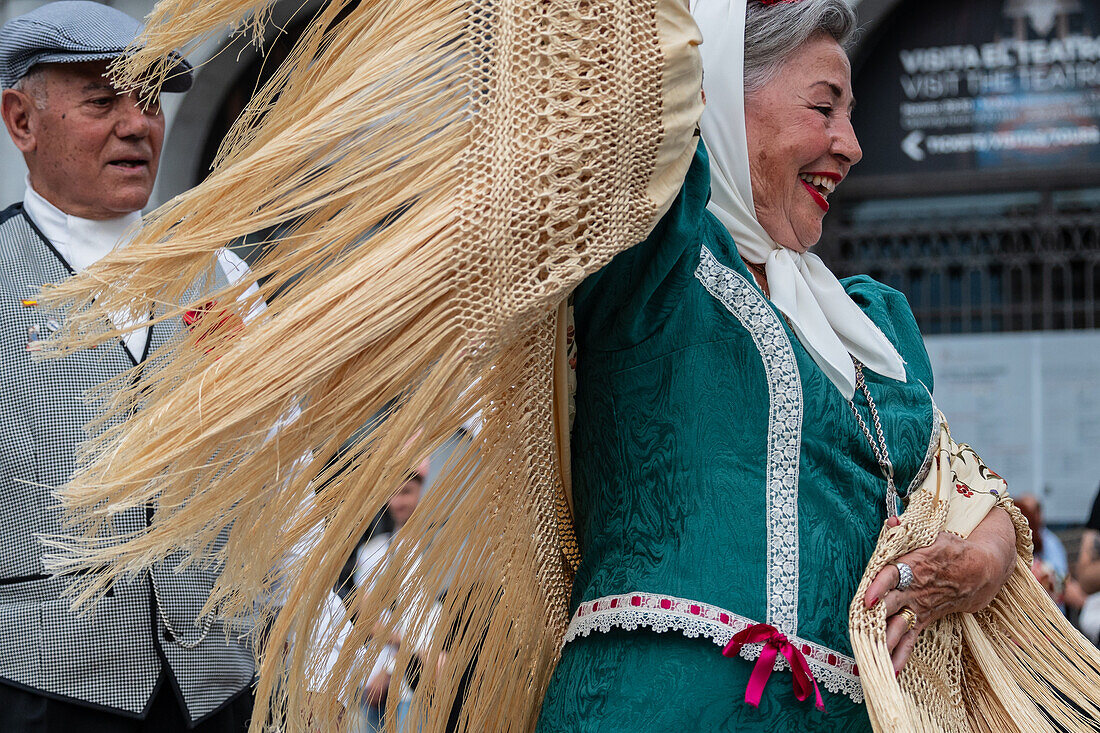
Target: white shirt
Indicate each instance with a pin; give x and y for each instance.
(83, 242)
(332, 627)
(374, 554)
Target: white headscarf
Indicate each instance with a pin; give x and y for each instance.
(828, 323)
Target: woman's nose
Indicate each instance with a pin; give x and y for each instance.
(845, 144)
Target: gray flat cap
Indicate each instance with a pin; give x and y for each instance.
(69, 32)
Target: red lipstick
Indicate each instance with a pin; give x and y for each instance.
(818, 198)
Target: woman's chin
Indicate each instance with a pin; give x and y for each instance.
(806, 236)
(793, 234)
(796, 245)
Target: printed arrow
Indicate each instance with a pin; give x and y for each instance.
(911, 145)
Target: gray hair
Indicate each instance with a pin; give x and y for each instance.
(33, 84)
(773, 32)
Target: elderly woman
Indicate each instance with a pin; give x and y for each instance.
(743, 421)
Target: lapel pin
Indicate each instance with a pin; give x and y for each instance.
(53, 325)
(29, 302)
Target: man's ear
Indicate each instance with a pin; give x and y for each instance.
(18, 108)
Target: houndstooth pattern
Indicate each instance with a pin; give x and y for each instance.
(72, 32)
(113, 655)
(88, 34)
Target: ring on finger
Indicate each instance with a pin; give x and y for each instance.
(905, 576)
(910, 618)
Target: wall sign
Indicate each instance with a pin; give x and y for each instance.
(982, 85)
(1029, 404)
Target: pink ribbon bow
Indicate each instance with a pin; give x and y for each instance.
(774, 643)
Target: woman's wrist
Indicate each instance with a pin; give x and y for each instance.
(994, 542)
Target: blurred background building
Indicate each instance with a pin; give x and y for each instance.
(978, 197)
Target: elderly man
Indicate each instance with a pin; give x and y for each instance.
(144, 658)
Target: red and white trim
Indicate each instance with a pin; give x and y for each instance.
(834, 671)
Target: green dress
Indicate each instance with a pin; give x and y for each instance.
(720, 480)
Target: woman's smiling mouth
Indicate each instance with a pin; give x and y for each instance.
(820, 185)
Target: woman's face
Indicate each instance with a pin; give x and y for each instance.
(801, 141)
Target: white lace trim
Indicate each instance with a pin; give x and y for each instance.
(835, 672)
(784, 431)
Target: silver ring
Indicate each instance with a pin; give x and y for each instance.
(905, 576)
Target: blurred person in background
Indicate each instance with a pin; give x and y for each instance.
(371, 557)
(1087, 574)
(1052, 550)
(1049, 564)
(1088, 559)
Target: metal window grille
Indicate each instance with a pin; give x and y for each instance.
(1029, 268)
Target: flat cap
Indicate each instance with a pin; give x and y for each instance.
(69, 32)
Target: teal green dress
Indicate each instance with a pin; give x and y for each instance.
(720, 480)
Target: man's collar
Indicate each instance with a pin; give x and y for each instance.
(50, 220)
(80, 241)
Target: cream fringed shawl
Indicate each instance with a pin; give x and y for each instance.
(444, 173)
(1017, 666)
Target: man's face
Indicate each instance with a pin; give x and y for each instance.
(91, 152)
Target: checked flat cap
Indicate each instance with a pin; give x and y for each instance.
(69, 32)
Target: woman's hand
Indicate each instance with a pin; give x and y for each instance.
(949, 576)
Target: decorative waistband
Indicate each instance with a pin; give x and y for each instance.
(835, 671)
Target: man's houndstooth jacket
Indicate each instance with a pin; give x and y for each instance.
(113, 656)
